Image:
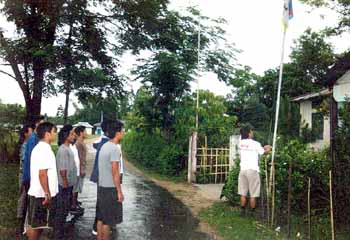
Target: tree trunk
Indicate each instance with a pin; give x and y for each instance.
(66, 106)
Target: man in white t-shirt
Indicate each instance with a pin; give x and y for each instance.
(43, 183)
(249, 178)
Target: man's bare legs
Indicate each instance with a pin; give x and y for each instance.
(252, 202)
(33, 234)
(103, 231)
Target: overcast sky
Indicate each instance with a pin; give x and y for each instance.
(253, 25)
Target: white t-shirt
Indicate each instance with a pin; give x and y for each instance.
(76, 157)
(43, 157)
(250, 151)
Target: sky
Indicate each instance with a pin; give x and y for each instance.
(254, 26)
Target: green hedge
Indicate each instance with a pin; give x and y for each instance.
(152, 152)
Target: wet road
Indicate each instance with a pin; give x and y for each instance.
(150, 212)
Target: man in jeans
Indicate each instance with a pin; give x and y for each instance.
(43, 183)
(110, 196)
(249, 177)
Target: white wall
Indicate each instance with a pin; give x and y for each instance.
(306, 113)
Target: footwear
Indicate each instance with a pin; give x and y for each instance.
(77, 211)
(69, 218)
(243, 212)
(252, 213)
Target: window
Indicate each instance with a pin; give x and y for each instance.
(317, 125)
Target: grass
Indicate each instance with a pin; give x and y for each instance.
(8, 199)
(230, 225)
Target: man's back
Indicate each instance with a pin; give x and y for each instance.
(250, 151)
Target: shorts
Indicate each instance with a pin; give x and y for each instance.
(249, 181)
(78, 186)
(108, 209)
(39, 216)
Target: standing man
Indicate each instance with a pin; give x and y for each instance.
(80, 133)
(249, 177)
(94, 174)
(67, 177)
(43, 183)
(75, 209)
(110, 196)
(25, 132)
(31, 143)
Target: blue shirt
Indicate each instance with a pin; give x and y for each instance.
(31, 143)
(94, 174)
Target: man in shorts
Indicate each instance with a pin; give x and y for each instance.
(94, 174)
(109, 210)
(43, 183)
(249, 177)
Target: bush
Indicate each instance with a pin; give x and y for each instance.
(230, 189)
(8, 146)
(152, 152)
(305, 163)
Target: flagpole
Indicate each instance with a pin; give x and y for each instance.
(272, 172)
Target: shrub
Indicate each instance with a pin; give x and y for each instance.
(8, 145)
(305, 163)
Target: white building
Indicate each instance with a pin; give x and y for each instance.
(87, 125)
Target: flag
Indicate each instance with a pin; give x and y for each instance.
(287, 12)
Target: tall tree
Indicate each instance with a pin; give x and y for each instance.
(53, 36)
(171, 68)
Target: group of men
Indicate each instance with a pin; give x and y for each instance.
(49, 184)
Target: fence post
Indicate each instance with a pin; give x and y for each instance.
(194, 156)
(189, 164)
(234, 140)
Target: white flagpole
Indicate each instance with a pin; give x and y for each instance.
(272, 172)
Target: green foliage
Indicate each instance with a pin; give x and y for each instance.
(305, 163)
(11, 115)
(9, 188)
(230, 225)
(151, 152)
(341, 166)
(230, 189)
(313, 56)
(64, 40)
(8, 145)
(341, 7)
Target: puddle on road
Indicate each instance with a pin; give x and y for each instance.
(150, 213)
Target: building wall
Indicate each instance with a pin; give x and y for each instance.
(89, 131)
(306, 118)
(306, 114)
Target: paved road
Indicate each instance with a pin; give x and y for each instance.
(150, 212)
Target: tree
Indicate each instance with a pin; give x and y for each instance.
(342, 7)
(253, 98)
(11, 115)
(168, 72)
(42, 39)
(313, 55)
